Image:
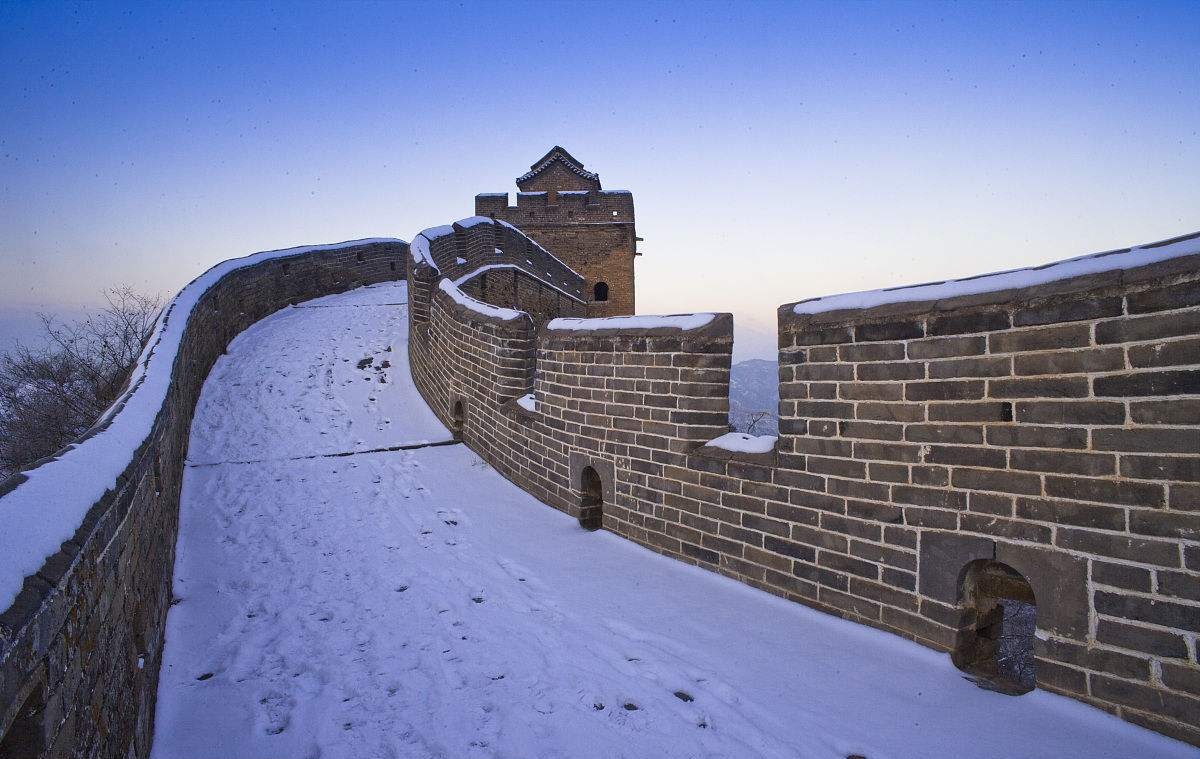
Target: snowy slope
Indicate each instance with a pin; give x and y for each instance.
(415, 604)
(301, 383)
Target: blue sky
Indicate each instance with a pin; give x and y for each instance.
(775, 151)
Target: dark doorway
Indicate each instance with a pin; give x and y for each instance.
(995, 638)
(600, 291)
(591, 503)
(457, 418)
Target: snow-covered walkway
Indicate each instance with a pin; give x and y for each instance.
(413, 603)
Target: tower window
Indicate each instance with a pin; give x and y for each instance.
(600, 291)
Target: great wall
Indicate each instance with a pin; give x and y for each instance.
(1003, 468)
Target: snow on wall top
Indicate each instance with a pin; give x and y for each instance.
(474, 221)
(676, 321)
(740, 442)
(46, 509)
(1006, 280)
(527, 402)
(478, 306)
(419, 250)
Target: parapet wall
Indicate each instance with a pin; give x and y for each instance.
(565, 207)
(1043, 436)
(80, 646)
(1052, 427)
(495, 261)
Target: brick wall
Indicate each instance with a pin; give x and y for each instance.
(1042, 439)
(1054, 429)
(478, 247)
(80, 647)
(593, 232)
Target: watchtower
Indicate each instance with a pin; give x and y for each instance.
(561, 205)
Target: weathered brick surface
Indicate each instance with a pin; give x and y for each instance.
(1050, 430)
(496, 262)
(85, 636)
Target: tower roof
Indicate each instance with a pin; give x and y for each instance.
(556, 161)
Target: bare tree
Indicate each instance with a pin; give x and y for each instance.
(753, 418)
(52, 394)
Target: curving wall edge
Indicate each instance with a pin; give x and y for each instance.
(1028, 437)
(87, 554)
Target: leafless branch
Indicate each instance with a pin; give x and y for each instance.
(52, 394)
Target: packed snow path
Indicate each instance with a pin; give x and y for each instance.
(413, 603)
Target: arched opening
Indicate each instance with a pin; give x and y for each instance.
(995, 638)
(26, 737)
(600, 291)
(457, 417)
(591, 502)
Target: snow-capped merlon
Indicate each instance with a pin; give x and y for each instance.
(676, 321)
(740, 442)
(1095, 263)
(478, 306)
(45, 510)
(418, 249)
